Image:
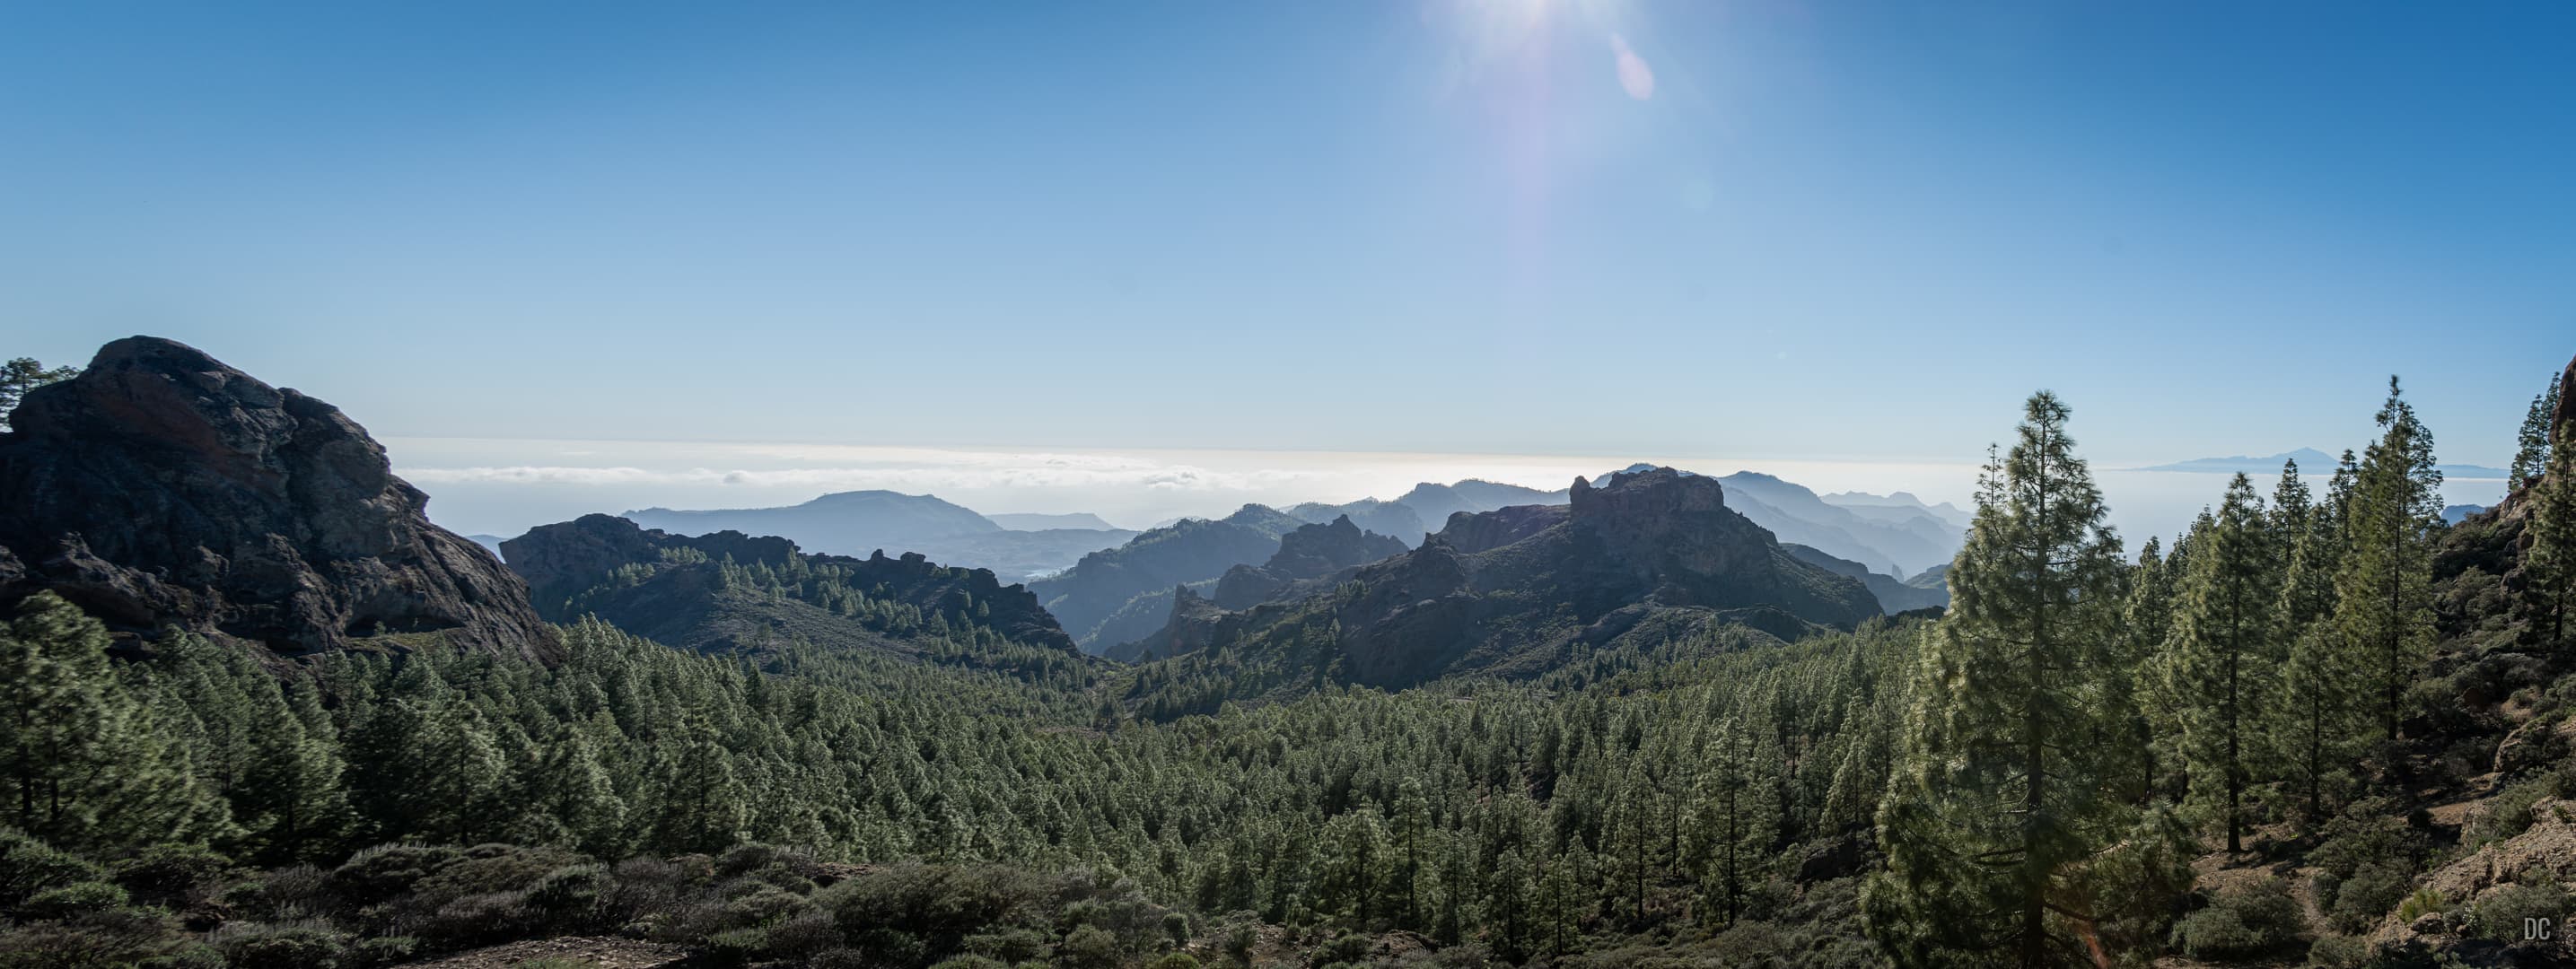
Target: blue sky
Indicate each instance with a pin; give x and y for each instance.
(1832, 231)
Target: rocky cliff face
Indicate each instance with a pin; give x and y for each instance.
(1311, 552)
(161, 488)
(2566, 397)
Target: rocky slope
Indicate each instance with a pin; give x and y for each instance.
(1511, 592)
(1118, 594)
(1314, 553)
(1893, 595)
(675, 589)
(1388, 518)
(161, 488)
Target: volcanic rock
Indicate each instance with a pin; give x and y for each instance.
(162, 489)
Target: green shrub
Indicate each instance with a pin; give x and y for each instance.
(569, 896)
(971, 962)
(840, 959)
(492, 869)
(2367, 834)
(1347, 947)
(2366, 896)
(2509, 813)
(28, 866)
(1089, 947)
(738, 945)
(384, 871)
(168, 873)
(384, 950)
(2423, 901)
(1007, 945)
(1175, 960)
(73, 900)
(2216, 933)
(764, 905)
(288, 893)
(297, 945)
(2339, 952)
(807, 932)
(2500, 913)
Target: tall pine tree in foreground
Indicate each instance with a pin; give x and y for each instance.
(2549, 569)
(2384, 592)
(2224, 657)
(2005, 799)
(2532, 454)
(2313, 726)
(2146, 629)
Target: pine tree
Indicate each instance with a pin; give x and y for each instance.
(1355, 865)
(2535, 446)
(2224, 651)
(1412, 847)
(21, 375)
(294, 800)
(85, 762)
(457, 771)
(2140, 673)
(1735, 817)
(2005, 792)
(2313, 725)
(1632, 841)
(1558, 907)
(2383, 595)
(703, 805)
(2549, 568)
(2292, 503)
(1508, 891)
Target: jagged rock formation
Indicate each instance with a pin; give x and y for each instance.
(1654, 553)
(161, 488)
(1310, 552)
(1474, 532)
(675, 589)
(1307, 556)
(1115, 595)
(1392, 519)
(1410, 516)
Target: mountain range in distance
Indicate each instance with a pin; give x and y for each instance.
(1110, 586)
(2311, 461)
(857, 523)
(1039, 522)
(1650, 553)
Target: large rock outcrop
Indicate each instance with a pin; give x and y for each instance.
(161, 488)
(1308, 557)
(1648, 556)
(1311, 552)
(2566, 397)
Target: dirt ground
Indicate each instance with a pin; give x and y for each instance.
(607, 953)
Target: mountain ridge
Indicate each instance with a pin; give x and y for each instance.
(1657, 550)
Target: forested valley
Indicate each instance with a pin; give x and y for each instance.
(2320, 728)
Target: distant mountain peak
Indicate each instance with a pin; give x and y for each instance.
(2311, 461)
